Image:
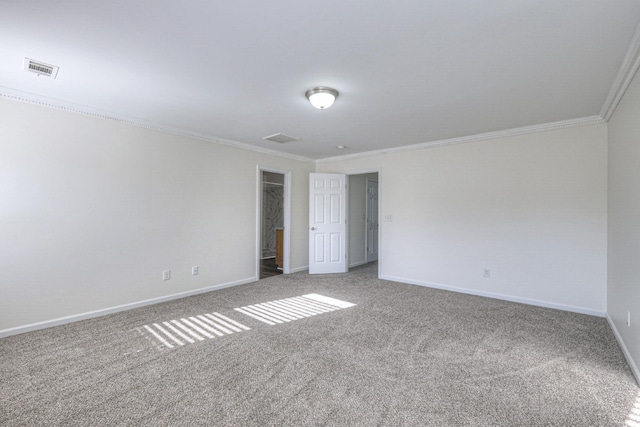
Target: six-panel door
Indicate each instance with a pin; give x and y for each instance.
(327, 223)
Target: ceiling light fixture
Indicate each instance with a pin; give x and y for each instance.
(321, 97)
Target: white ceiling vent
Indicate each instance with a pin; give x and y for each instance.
(281, 138)
(40, 68)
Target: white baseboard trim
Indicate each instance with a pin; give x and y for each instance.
(625, 351)
(503, 297)
(306, 267)
(299, 269)
(357, 263)
(103, 312)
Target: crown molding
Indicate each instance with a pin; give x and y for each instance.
(627, 71)
(56, 104)
(86, 111)
(564, 124)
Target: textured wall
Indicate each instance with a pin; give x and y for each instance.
(272, 217)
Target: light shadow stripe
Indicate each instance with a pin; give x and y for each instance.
(214, 324)
(261, 312)
(222, 322)
(268, 322)
(311, 304)
(319, 303)
(200, 327)
(187, 330)
(302, 306)
(328, 300)
(155, 334)
(196, 327)
(167, 333)
(633, 419)
(178, 332)
(231, 322)
(292, 309)
(206, 326)
(270, 307)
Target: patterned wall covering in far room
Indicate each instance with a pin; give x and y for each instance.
(272, 211)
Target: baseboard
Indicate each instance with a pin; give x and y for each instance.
(503, 297)
(625, 351)
(103, 312)
(306, 267)
(357, 263)
(299, 269)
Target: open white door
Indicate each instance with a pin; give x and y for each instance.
(327, 223)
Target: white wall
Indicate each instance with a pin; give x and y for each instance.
(92, 211)
(624, 223)
(531, 208)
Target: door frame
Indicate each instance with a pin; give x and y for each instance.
(286, 221)
(380, 232)
(366, 225)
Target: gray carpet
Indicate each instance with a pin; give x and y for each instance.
(403, 355)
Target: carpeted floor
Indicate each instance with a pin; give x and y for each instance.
(402, 355)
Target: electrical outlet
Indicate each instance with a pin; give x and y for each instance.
(194, 270)
(486, 273)
(166, 275)
(628, 318)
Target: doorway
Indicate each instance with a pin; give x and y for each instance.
(363, 227)
(371, 219)
(273, 220)
(339, 241)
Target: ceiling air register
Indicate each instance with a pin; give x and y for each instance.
(40, 68)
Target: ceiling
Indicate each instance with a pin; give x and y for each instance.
(408, 72)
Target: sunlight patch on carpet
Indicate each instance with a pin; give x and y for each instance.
(288, 309)
(633, 419)
(189, 330)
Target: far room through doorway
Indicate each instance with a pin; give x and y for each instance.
(272, 224)
(363, 219)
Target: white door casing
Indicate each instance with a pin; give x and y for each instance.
(327, 223)
(371, 235)
(287, 218)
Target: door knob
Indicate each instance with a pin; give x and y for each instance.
(313, 228)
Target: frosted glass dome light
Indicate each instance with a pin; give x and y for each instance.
(321, 97)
